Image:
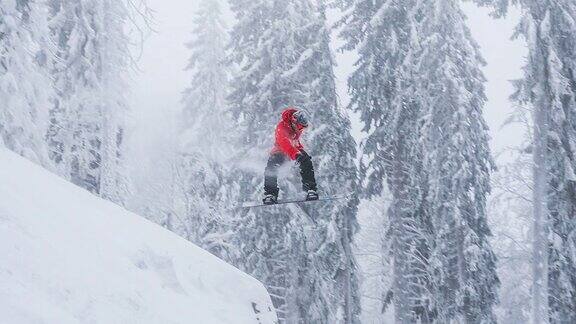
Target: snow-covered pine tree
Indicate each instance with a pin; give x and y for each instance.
(330, 142)
(253, 100)
(113, 44)
(450, 88)
(24, 81)
(202, 161)
(204, 114)
(511, 219)
(283, 51)
(549, 88)
(421, 105)
(382, 90)
(87, 118)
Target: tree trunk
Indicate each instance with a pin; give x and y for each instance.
(540, 194)
(348, 302)
(400, 207)
(540, 247)
(401, 297)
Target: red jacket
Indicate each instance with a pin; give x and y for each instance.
(288, 136)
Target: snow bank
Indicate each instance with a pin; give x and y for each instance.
(67, 256)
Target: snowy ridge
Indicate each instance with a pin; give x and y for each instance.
(70, 257)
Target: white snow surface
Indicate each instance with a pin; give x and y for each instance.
(67, 256)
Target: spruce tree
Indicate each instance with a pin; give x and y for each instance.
(419, 90)
(458, 162)
(25, 86)
(334, 152)
(548, 87)
(203, 153)
(283, 49)
(204, 113)
(382, 91)
(510, 210)
(255, 97)
(86, 132)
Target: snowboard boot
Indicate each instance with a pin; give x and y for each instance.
(269, 199)
(312, 195)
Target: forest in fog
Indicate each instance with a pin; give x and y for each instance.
(436, 228)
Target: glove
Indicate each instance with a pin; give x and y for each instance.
(302, 156)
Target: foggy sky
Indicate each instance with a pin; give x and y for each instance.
(157, 88)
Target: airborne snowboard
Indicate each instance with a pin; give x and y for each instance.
(295, 201)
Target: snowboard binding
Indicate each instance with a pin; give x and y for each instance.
(270, 200)
(312, 195)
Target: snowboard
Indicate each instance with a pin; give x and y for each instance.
(296, 201)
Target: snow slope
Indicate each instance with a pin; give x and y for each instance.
(67, 256)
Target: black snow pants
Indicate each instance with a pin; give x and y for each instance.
(271, 173)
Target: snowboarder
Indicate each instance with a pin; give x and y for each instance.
(288, 147)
